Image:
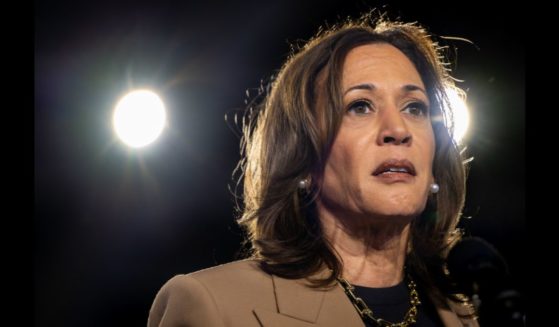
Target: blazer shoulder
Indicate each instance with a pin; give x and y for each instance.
(244, 269)
(229, 281)
(181, 301)
(215, 296)
(224, 277)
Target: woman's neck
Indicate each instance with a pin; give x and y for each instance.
(373, 251)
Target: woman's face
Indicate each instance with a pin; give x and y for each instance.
(381, 159)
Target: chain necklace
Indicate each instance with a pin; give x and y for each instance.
(367, 314)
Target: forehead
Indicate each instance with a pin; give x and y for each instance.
(379, 64)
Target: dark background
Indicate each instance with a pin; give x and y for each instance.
(111, 225)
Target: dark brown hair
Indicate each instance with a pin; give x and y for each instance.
(288, 138)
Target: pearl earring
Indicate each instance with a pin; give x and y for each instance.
(303, 183)
(434, 188)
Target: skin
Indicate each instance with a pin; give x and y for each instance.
(365, 217)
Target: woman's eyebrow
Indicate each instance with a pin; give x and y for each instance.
(412, 87)
(366, 86)
(370, 87)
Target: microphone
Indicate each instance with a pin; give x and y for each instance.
(480, 272)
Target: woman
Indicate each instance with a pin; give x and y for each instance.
(353, 188)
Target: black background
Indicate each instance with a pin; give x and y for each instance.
(112, 225)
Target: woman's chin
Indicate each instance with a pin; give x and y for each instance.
(396, 211)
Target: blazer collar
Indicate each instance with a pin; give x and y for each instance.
(321, 307)
(296, 300)
(300, 305)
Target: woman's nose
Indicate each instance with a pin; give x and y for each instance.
(393, 129)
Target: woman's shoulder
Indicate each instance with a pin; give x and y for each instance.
(205, 297)
(229, 278)
(239, 270)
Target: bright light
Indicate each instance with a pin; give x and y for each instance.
(460, 114)
(139, 118)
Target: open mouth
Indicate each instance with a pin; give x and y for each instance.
(395, 166)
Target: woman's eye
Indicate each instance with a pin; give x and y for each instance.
(360, 107)
(416, 109)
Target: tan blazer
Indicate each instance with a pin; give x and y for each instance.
(240, 294)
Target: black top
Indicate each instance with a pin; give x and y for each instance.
(392, 303)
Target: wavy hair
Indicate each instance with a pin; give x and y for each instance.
(287, 138)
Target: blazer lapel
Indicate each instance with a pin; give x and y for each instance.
(299, 305)
(296, 300)
(269, 318)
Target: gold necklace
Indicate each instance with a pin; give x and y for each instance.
(367, 314)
